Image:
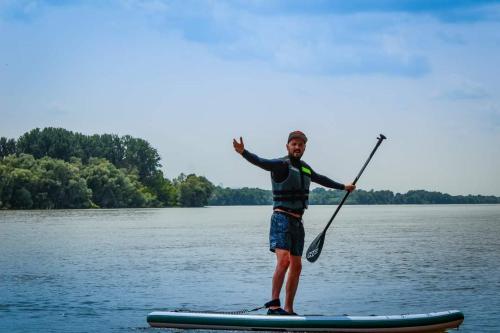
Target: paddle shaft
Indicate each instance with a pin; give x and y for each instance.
(380, 139)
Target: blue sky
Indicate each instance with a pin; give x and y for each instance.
(188, 76)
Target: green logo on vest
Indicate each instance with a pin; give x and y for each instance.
(306, 170)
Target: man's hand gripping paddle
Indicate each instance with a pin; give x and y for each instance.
(316, 246)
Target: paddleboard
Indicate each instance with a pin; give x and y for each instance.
(429, 322)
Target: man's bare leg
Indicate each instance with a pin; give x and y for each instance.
(282, 263)
(292, 281)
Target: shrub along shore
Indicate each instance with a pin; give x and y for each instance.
(54, 168)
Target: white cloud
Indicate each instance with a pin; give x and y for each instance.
(189, 85)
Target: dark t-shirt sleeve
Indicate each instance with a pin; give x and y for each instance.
(273, 165)
(279, 170)
(325, 181)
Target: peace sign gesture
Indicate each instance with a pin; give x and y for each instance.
(239, 146)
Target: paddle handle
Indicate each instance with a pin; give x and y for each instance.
(379, 141)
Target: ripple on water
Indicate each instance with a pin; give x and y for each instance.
(105, 270)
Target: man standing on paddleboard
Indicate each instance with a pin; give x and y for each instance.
(290, 178)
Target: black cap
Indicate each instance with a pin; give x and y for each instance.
(297, 135)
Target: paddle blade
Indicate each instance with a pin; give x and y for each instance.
(315, 248)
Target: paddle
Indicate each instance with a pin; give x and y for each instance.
(316, 246)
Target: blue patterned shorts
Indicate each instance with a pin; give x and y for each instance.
(287, 233)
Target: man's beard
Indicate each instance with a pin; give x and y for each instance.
(292, 155)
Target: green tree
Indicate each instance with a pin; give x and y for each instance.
(244, 196)
(193, 191)
(7, 147)
(53, 142)
(163, 189)
(113, 188)
(320, 196)
(44, 183)
(125, 152)
(22, 199)
(140, 155)
(108, 146)
(62, 185)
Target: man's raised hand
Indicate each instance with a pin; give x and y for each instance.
(239, 146)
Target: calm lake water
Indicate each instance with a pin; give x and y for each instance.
(105, 270)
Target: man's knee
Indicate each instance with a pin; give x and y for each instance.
(283, 263)
(283, 259)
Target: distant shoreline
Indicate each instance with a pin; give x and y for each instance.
(214, 206)
(320, 196)
(53, 168)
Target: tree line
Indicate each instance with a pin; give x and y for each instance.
(56, 168)
(320, 196)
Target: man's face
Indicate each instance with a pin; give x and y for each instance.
(296, 148)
